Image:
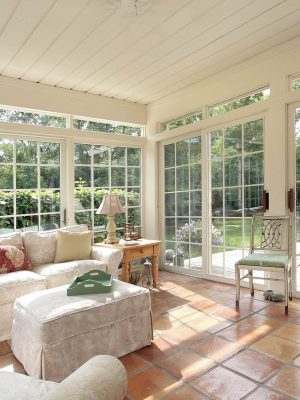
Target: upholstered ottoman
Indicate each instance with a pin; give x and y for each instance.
(53, 334)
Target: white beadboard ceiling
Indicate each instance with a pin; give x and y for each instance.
(86, 45)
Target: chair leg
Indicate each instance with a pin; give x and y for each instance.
(237, 285)
(290, 284)
(286, 290)
(251, 282)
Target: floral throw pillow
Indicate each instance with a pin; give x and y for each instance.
(13, 258)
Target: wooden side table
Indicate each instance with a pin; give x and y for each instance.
(145, 248)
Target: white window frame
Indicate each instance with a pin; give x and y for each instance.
(38, 138)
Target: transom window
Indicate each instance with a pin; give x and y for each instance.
(180, 121)
(295, 82)
(247, 99)
(97, 125)
(32, 117)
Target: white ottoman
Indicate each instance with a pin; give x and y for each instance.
(53, 334)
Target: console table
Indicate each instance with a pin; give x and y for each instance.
(144, 248)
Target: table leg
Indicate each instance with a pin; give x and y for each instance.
(125, 271)
(154, 270)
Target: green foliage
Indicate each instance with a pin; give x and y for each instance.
(27, 200)
(189, 119)
(98, 126)
(24, 117)
(222, 108)
(296, 84)
(6, 203)
(192, 232)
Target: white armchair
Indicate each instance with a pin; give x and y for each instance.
(101, 378)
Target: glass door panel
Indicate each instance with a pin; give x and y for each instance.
(183, 205)
(236, 164)
(295, 182)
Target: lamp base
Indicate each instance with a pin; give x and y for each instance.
(111, 231)
(111, 241)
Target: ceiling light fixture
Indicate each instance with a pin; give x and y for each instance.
(130, 8)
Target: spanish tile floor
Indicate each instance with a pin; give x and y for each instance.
(204, 349)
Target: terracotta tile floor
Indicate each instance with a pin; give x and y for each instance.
(204, 349)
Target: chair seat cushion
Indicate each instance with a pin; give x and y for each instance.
(265, 260)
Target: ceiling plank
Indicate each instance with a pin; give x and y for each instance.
(25, 19)
(175, 29)
(179, 39)
(216, 40)
(219, 61)
(134, 29)
(61, 16)
(82, 29)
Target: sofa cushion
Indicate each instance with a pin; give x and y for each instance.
(40, 247)
(64, 273)
(12, 239)
(73, 246)
(19, 283)
(12, 259)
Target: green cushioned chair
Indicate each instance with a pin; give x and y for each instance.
(270, 251)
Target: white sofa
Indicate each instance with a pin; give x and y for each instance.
(40, 248)
(101, 378)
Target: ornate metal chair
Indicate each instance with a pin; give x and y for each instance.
(270, 251)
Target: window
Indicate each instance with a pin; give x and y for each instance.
(236, 185)
(250, 98)
(295, 82)
(101, 169)
(30, 182)
(184, 120)
(183, 204)
(31, 117)
(84, 124)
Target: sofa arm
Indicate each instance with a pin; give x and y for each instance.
(111, 257)
(102, 377)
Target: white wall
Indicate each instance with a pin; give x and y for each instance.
(19, 93)
(269, 68)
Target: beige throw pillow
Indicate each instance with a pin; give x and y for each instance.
(73, 246)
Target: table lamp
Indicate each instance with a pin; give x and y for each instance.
(111, 206)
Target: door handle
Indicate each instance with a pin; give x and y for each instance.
(65, 217)
(291, 200)
(265, 201)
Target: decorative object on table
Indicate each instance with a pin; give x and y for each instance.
(147, 274)
(130, 233)
(111, 206)
(270, 295)
(135, 272)
(128, 242)
(91, 282)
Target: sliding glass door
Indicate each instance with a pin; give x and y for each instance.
(212, 186)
